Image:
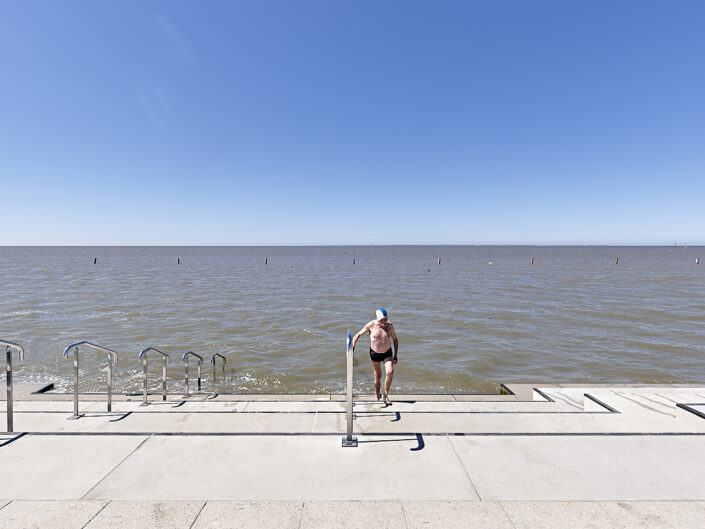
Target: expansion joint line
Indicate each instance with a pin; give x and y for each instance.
(403, 512)
(504, 509)
(199, 514)
(116, 466)
(96, 514)
(467, 474)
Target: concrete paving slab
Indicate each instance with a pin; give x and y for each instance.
(589, 468)
(161, 422)
(147, 515)
(287, 407)
(276, 398)
(550, 514)
(491, 397)
(605, 422)
(566, 402)
(61, 422)
(649, 403)
(478, 407)
(54, 514)
(387, 421)
(451, 514)
(60, 467)
(214, 423)
(369, 397)
(51, 406)
(157, 406)
(288, 468)
(353, 515)
(656, 515)
(250, 514)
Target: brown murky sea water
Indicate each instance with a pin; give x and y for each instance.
(483, 316)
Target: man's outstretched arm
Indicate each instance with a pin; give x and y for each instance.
(364, 330)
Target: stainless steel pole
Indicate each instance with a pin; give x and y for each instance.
(349, 440)
(166, 359)
(186, 393)
(110, 382)
(8, 380)
(145, 400)
(75, 383)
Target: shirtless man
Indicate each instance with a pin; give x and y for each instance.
(381, 336)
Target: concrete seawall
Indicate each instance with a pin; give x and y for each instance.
(539, 456)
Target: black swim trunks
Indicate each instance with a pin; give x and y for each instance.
(380, 357)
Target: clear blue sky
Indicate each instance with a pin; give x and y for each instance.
(352, 122)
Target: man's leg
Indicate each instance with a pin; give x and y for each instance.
(389, 368)
(377, 368)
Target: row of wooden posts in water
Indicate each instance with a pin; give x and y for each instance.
(266, 261)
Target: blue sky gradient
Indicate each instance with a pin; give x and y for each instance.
(367, 122)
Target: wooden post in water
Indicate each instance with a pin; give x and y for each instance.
(617, 261)
(353, 261)
(178, 260)
(532, 260)
(265, 260)
(95, 260)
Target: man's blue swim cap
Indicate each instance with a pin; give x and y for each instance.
(381, 313)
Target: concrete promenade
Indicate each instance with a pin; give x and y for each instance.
(541, 456)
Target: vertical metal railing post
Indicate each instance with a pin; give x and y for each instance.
(143, 356)
(349, 440)
(9, 346)
(166, 361)
(112, 359)
(109, 376)
(213, 356)
(145, 400)
(76, 415)
(200, 362)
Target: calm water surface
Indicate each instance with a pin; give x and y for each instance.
(483, 316)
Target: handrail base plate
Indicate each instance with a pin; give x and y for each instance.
(349, 442)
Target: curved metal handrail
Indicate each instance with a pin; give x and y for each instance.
(94, 346)
(145, 351)
(143, 356)
(112, 359)
(213, 357)
(200, 362)
(13, 345)
(9, 346)
(193, 354)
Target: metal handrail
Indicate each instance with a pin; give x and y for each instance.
(9, 346)
(213, 356)
(200, 362)
(349, 440)
(111, 355)
(143, 356)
